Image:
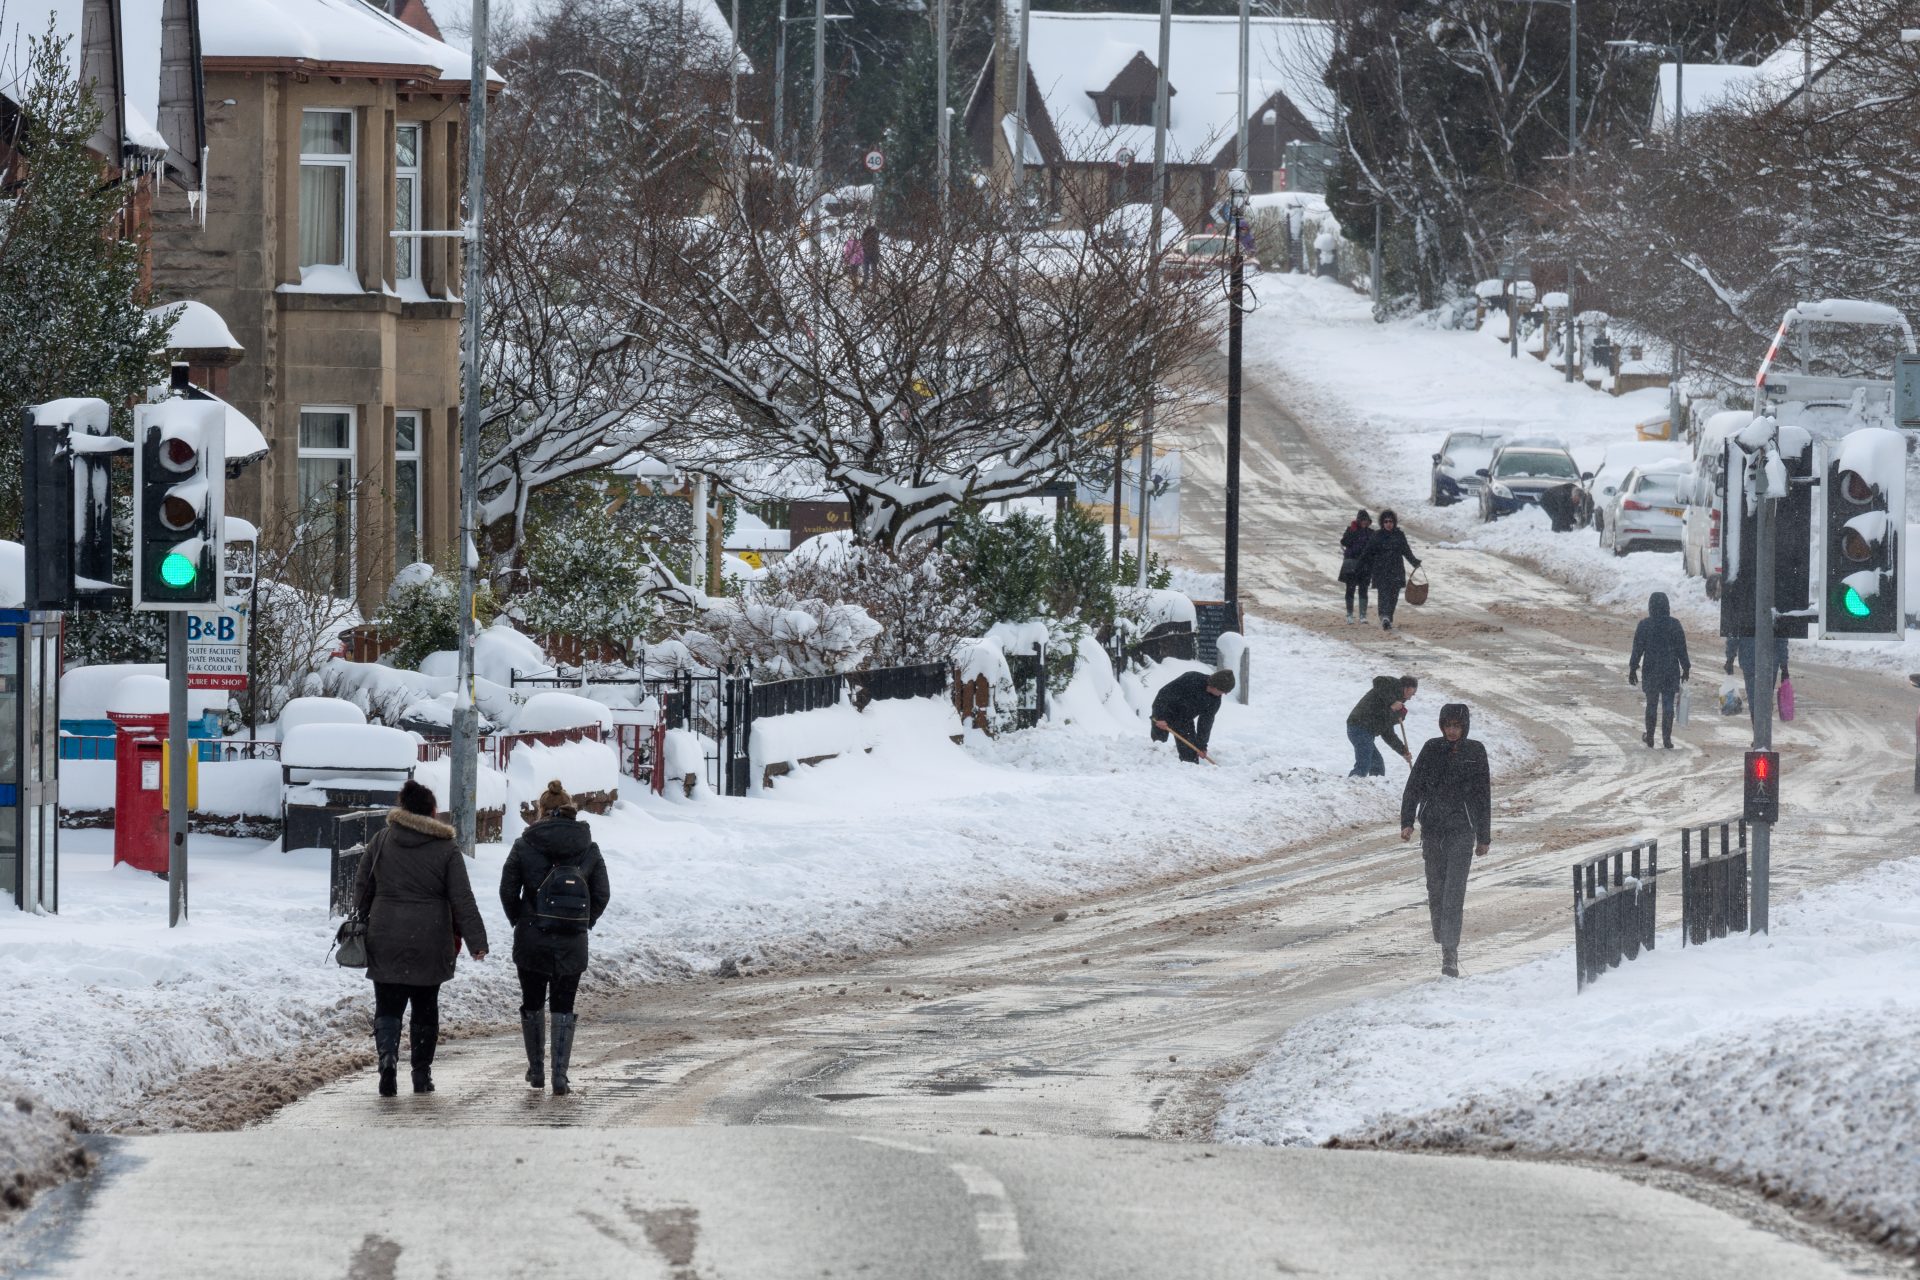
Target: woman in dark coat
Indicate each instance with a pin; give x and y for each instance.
(1659, 663)
(1353, 547)
(550, 930)
(412, 891)
(1450, 794)
(1383, 568)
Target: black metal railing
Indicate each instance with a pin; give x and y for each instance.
(1713, 886)
(881, 684)
(802, 693)
(1614, 898)
(1029, 672)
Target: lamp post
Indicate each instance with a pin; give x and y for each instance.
(1237, 190)
(1678, 53)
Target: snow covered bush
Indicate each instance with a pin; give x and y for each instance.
(916, 593)
(1025, 568)
(422, 613)
(585, 583)
(782, 633)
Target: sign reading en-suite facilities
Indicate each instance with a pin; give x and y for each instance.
(217, 650)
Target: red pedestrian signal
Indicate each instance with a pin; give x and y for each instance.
(1762, 791)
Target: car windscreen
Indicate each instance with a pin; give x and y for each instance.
(1207, 244)
(1660, 490)
(1557, 465)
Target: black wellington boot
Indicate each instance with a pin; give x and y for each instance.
(533, 1030)
(1450, 961)
(386, 1043)
(563, 1025)
(423, 1041)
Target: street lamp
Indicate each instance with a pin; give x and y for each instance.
(1679, 55)
(1573, 143)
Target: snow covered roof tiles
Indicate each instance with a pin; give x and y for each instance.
(1072, 57)
(327, 32)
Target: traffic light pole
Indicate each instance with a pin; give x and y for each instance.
(464, 767)
(176, 768)
(1766, 670)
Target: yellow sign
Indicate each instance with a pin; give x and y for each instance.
(751, 559)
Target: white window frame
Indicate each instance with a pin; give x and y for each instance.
(416, 457)
(414, 203)
(349, 241)
(351, 455)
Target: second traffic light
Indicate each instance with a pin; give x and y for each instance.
(1863, 524)
(179, 495)
(1762, 791)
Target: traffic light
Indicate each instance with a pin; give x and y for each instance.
(47, 512)
(1863, 523)
(1792, 542)
(1762, 792)
(179, 493)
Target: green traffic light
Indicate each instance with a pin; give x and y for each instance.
(178, 570)
(1851, 601)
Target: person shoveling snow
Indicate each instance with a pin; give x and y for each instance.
(1184, 710)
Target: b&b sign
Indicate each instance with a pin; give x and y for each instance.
(217, 650)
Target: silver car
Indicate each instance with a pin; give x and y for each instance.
(1456, 467)
(1646, 510)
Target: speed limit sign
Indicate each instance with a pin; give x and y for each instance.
(875, 161)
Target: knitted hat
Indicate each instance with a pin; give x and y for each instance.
(555, 802)
(1221, 680)
(416, 798)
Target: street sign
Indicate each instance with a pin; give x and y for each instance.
(1906, 391)
(875, 161)
(217, 650)
(1125, 157)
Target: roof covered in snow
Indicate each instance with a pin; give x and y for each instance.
(330, 32)
(1075, 56)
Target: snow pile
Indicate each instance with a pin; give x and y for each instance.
(347, 748)
(233, 788)
(552, 711)
(87, 692)
(490, 790)
(1788, 1062)
(581, 767)
(499, 651)
(305, 711)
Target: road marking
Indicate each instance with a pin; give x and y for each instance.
(994, 1219)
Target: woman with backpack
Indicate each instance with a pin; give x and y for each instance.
(553, 889)
(412, 891)
(1353, 561)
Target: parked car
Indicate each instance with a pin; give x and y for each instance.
(1518, 473)
(1200, 255)
(1647, 509)
(1617, 461)
(1700, 550)
(1456, 468)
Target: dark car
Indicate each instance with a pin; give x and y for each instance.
(1518, 473)
(1457, 467)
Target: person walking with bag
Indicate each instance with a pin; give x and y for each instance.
(1450, 794)
(1353, 555)
(1740, 649)
(1378, 715)
(553, 889)
(1383, 567)
(412, 891)
(1659, 664)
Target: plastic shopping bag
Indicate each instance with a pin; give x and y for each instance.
(1731, 703)
(1786, 698)
(1683, 707)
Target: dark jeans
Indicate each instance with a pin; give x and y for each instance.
(534, 991)
(1389, 598)
(1661, 699)
(1448, 853)
(1186, 729)
(1357, 590)
(1367, 760)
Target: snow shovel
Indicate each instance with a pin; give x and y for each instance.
(1197, 751)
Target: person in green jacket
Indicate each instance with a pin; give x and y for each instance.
(1378, 715)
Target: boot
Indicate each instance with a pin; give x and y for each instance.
(563, 1025)
(1450, 961)
(533, 1030)
(423, 1041)
(1647, 737)
(1349, 617)
(386, 1043)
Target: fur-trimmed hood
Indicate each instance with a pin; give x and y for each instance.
(419, 824)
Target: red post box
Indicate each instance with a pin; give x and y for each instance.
(139, 791)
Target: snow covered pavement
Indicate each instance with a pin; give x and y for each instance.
(1789, 1062)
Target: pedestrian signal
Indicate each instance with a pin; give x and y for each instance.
(1762, 791)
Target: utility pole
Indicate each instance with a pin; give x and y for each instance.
(1573, 162)
(1806, 177)
(1236, 292)
(780, 87)
(819, 116)
(1764, 674)
(1020, 112)
(735, 171)
(465, 764)
(945, 126)
(1159, 200)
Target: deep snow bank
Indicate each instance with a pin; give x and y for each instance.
(1791, 1062)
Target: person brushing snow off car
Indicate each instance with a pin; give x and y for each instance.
(1184, 709)
(1450, 794)
(1659, 664)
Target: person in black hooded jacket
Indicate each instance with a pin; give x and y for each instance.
(1659, 664)
(1383, 567)
(1450, 794)
(551, 954)
(1186, 705)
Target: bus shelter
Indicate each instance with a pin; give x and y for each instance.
(29, 758)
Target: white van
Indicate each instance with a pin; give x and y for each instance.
(1700, 540)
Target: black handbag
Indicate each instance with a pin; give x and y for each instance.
(1349, 567)
(349, 949)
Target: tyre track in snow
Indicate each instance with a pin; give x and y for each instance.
(1125, 1018)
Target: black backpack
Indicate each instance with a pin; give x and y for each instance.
(563, 903)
